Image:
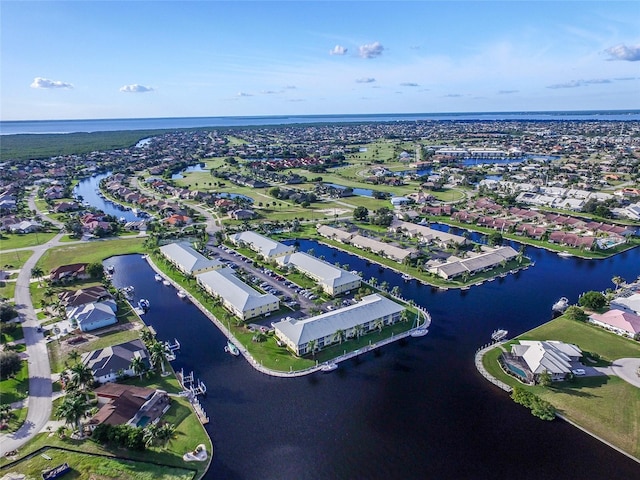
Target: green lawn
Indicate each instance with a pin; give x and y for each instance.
(93, 251)
(13, 260)
(16, 388)
(11, 336)
(7, 290)
(9, 241)
(607, 406)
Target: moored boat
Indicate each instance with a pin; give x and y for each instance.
(561, 305)
(166, 282)
(182, 294)
(158, 277)
(498, 335)
(231, 348)
(329, 367)
(565, 254)
(420, 332)
(406, 277)
(144, 304)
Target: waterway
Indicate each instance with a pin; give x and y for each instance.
(88, 189)
(416, 409)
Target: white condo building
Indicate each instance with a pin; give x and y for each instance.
(264, 246)
(334, 326)
(187, 259)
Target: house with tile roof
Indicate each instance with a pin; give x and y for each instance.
(623, 323)
(109, 363)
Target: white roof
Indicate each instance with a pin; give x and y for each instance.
(189, 259)
(328, 274)
(428, 233)
(629, 304)
(551, 355)
(371, 307)
(265, 246)
(224, 283)
(91, 312)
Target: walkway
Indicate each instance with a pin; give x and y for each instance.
(483, 371)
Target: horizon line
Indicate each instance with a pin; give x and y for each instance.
(316, 115)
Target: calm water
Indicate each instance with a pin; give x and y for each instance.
(189, 169)
(115, 124)
(88, 189)
(416, 410)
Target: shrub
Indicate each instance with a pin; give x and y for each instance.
(10, 364)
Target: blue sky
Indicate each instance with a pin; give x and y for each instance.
(75, 59)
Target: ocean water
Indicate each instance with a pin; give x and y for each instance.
(118, 124)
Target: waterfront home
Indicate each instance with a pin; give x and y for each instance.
(83, 296)
(188, 260)
(303, 336)
(110, 363)
(623, 323)
(334, 233)
(552, 356)
(387, 250)
(427, 234)
(236, 296)
(128, 405)
(74, 271)
(333, 280)
(267, 248)
(94, 315)
(475, 263)
(629, 303)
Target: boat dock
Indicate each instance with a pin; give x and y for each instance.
(191, 389)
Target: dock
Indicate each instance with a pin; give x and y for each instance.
(191, 390)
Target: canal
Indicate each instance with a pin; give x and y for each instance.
(416, 409)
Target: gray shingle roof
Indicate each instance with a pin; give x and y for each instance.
(224, 283)
(328, 274)
(189, 260)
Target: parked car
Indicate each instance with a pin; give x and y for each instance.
(578, 372)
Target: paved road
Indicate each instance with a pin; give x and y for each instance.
(40, 388)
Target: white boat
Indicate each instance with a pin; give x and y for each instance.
(134, 211)
(166, 282)
(498, 335)
(565, 254)
(231, 348)
(561, 305)
(420, 332)
(158, 277)
(182, 294)
(144, 304)
(329, 367)
(406, 277)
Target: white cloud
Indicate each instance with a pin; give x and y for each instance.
(623, 52)
(135, 88)
(409, 84)
(371, 50)
(453, 95)
(40, 82)
(244, 94)
(507, 92)
(579, 83)
(338, 50)
(365, 80)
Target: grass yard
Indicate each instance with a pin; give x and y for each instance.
(607, 406)
(16, 388)
(13, 260)
(93, 251)
(7, 290)
(94, 466)
(9, 241)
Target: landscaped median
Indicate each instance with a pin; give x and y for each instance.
(605, 406)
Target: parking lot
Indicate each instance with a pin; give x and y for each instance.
(297, 300)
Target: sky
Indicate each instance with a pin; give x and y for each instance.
(136, 59)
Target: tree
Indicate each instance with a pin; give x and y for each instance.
(151, 434)
(10, 364)
(81, 376)
(494, 239)
(7, 313)
(361, 214)
(339, 335)
(72, 409)
(166, 433)
(592, 300)
(575, 313)
(38, 273)
(138, 366)
(617, 281)
(312, 347)
(74, 356)
(158, 352)
(544, 378)
(95, 270)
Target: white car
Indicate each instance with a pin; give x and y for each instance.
(578, 372)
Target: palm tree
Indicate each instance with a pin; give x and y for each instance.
(81, 376)
(617, 281)
(38, 273)
(395, 291)
(373, 281)
(358, 330)
(158, 352)
(151, 433)
(384, 286)
(379, 324)
(339, 335)
(72, 409)
(146, 336)
(138, 366)
(312, 346)
(74, 355)
(166, 432)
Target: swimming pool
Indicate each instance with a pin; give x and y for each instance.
(143, 421)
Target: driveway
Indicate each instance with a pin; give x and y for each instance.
(626, 369)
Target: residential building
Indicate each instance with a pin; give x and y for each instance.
(110, 363)
(618, 321)
(128, 405)
(264, 246)
(83, 296)
(188, 260)
(475, 263)
(94, 315)
(552, 356)
(334, 326)
(236, 296)
(629, 304)
(75, 271)
(333, 280)
(427, 234)
(335, 233)
(387, 250)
